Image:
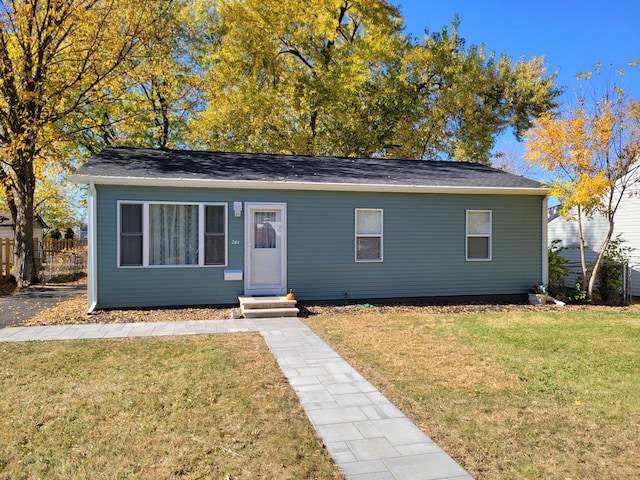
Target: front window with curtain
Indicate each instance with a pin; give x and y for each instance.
(173, 234)
(166, 234)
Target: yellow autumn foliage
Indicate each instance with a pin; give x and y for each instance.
(574, 146)
(339, 77)
(592, 152)
(58, 57)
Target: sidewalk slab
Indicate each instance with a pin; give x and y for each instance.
(366, 435)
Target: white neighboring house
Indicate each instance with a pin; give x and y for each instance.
(626, 224)
(7, 233)
(6, 226)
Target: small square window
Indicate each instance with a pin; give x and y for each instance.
(478, 247)
(368, 235)
(479, 226)
(368, 249)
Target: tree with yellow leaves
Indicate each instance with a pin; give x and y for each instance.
(593, 152)
(303, 77)
(339, 77)
(57, 57)
(152, 104)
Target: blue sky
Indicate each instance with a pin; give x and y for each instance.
(571, 34)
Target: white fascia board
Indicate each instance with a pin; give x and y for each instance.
(309, 186)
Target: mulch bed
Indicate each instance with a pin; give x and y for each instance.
(74, 312)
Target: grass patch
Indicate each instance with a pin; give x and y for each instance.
(510, 395)
(181, 407)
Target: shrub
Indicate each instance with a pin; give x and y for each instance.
(610, 275)
(578, 295)
(55, 234)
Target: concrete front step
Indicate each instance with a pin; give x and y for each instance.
(264, 307)
(276, 301)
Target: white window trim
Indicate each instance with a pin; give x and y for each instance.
(359, 235)
(146, 236)
(470, 235)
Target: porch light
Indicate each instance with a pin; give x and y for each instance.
(237, 208)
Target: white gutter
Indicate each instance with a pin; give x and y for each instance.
(288, 185)
(92, 274)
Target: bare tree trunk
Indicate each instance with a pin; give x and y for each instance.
(24, 252)
(598, 264)
(583, 255)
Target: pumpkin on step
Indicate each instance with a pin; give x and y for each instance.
(290, 295)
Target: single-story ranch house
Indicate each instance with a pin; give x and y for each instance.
(178, 228)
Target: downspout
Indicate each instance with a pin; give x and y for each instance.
(545, 240)
(92, 274)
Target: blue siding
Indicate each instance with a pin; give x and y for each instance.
(424, 248)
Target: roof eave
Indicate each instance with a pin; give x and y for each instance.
(301, 185)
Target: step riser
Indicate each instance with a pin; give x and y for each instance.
(270, 313)
(268, 305)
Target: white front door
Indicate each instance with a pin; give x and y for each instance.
(265, 249)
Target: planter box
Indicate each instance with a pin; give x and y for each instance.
(537, 298)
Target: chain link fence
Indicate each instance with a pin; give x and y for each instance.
(63, 260)
(616, 282)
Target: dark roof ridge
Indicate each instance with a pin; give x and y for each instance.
(300, 155)
(173, 165)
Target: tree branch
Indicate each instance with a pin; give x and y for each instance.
(296, 53)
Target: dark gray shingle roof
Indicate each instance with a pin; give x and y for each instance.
(140, 163)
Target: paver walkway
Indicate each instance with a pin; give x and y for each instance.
(365, 434)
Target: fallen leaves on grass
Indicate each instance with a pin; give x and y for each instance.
(74, 311)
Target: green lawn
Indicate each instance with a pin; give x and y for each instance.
(153, 408)
(553, 394)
